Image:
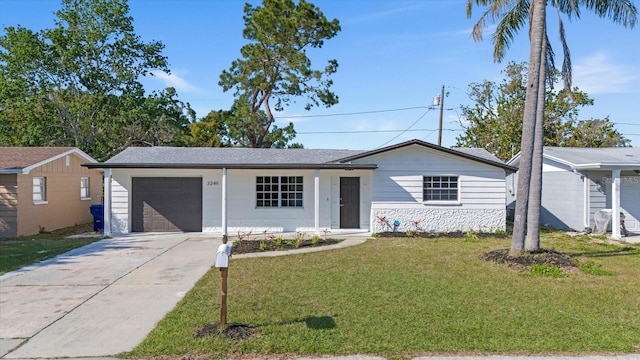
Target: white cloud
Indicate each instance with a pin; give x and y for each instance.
(175, 81)
(598, 74)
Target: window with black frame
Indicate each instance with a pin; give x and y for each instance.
(279, 191)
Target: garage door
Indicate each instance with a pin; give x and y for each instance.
(166, 204)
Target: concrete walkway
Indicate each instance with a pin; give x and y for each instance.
(101, 299)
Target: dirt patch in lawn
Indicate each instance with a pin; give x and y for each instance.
(233, 331)
(524, 261)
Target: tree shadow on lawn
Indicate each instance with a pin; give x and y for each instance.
(241, 331)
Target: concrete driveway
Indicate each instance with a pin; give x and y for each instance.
(101, 299)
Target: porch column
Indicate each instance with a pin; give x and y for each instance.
(586, 182)
(224, 202)
(106, 216)
(316, 201)
(615, 205)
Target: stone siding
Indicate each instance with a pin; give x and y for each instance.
(439, 220)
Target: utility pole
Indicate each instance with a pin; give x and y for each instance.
(440, 122)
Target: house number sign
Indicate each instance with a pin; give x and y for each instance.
(213, 183)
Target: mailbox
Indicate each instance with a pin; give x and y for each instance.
(222, 256)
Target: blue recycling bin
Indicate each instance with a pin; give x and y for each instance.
(97, 210)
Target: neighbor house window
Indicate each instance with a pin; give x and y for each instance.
(440, 188)
(84, 188)
(279, 191)
(39, 189)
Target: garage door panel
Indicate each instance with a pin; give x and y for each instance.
(166, 204)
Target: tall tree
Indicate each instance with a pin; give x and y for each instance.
(77, 84)
(494, 119)
(513, 15)
(274, 64)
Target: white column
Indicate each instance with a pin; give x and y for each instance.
(106, 221)
(586, 182)
(224, 202)
(615, 205)
(316, 201)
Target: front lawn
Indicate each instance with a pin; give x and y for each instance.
(26, 250)
(402, 297)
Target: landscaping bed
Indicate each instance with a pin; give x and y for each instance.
(253, 246)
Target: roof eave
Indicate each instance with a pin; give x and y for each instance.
(607, 166)
(507, 168)
(76, 151)
(229, 166)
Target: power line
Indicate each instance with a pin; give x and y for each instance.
(410, 126)
(352, 113)
(362, 112)
(370, 131)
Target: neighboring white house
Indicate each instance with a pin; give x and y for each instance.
(227, 190)
(577, 182)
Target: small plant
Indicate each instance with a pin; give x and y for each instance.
(239, 240)
(298, 239)
(500, 232)
(471, 236)
(41, 229)
(416, 224)
(314, 240)
(592, 268)
(396, 225)
(325, 231)
(263, 245)
(547, 270)
(384, 222)
(411, 233)
(278, 241)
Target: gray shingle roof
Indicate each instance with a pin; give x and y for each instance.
(585, 156)
(479, 152)
(181, 157)
(213, 156)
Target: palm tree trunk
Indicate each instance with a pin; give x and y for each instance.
(536, 53)
(532, 240)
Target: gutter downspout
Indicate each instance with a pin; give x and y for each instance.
(106, 228)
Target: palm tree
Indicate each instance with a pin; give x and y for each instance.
(513, 14)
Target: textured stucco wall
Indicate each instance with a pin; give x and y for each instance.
(439, 219)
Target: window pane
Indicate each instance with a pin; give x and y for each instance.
(440, 188)
(39, 189)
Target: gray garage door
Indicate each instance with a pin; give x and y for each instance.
(166, 204)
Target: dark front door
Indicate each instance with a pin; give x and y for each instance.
(166, 204)
(349, 202)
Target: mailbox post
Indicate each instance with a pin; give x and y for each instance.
(222, 262)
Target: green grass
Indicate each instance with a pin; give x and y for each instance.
(404, 297)
(26, 250)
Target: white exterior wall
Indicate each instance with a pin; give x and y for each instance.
(398, 191)
(121, 194)
(242, 213)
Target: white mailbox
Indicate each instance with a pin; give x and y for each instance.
(222, 256)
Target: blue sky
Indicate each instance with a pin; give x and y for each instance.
(392, 54)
